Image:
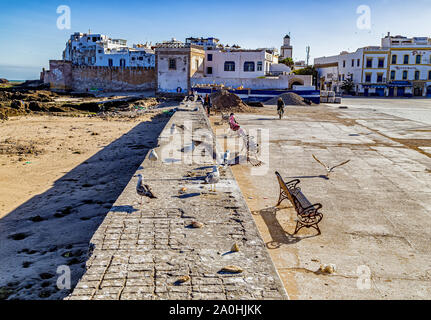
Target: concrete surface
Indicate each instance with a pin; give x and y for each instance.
(376, 226)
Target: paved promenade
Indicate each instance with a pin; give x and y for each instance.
(376, 227)
(140, 252)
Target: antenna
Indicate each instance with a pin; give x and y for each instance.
(308, 54)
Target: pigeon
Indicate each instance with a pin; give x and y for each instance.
(144, 190)
(329, 169)
(212, 178)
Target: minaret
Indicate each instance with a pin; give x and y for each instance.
(286, 48)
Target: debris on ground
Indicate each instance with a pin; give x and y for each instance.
(289, 98)
(225, 101)
(232, 269)
(328, 268)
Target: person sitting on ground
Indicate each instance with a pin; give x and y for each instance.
(234, 125)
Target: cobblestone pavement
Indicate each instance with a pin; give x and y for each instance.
(141, 251)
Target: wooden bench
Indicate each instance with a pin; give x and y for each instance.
(308, 214)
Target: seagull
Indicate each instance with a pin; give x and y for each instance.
(191, 147)
(226, 157)
(182, 127)
(153, 155)
(144, 190)
(212, 178)
(329, 169)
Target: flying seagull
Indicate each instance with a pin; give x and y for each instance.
(144, 190)
(212, 178)
(329, 169)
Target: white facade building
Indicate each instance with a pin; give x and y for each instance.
(399, 67)
(99, 50)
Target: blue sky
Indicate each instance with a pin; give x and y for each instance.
(29, 36)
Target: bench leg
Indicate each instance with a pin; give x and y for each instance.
(299, 226)
(281, 198)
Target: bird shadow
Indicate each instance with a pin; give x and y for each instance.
(55, 228)
(127, 209)
(309, 177)
(186, 196)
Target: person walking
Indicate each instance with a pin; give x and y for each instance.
(280, 108)
(207, 103)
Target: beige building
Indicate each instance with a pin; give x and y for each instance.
(176, 64)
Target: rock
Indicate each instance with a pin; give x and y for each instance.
(182, 279)
(17, 104)
(34, 106)
(3, 80)
(196, 225)
(235, 248)
(232, 269)
(328, 268)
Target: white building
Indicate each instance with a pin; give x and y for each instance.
(401, 66)
(98, 50)
(239, 63)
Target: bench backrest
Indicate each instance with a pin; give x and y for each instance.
(291, 197)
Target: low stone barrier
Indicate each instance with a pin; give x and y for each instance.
(151, 251)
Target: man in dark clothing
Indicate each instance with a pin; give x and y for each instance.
(280, 107)
(207, 103)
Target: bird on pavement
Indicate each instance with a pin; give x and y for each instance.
(226, 157)
(144, 190)
(153, 155)
(330, 169)
(213, 178)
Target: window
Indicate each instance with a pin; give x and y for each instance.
(380, 77)
(110, 63)
(368, 77)
(393, 75)
(122, 62)
(353, 62)
(429, 75)
(172, 64)
(209, 70)
(259, 66)
(229, 66)
(133, 58)
(197, 64)
(343, 77)
(406, 59)
(417, 75)
(381, 62)
(405, 74)
(344, 63)
(359, 63)
(249, 66)
(210, 57)
(418, 59)
(100, 51)
(141, 58)
(369, 62)
(394, 59)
